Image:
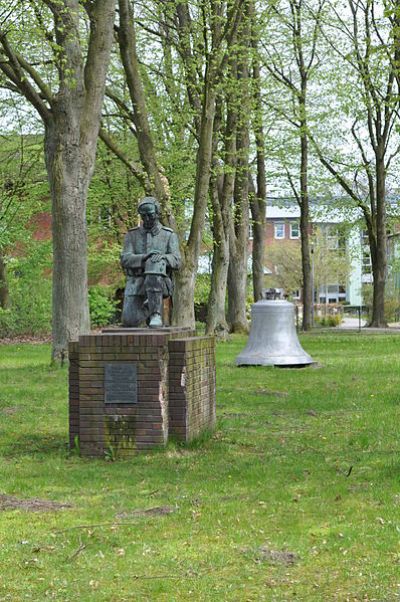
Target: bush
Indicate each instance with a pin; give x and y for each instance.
(202, 289)
(30, 293)
(329, 321)
(7, 322)
(102, 305)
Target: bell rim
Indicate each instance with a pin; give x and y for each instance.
(291, 361)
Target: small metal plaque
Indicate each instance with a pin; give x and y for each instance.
(120, 383)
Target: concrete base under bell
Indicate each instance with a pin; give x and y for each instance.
(273, 338)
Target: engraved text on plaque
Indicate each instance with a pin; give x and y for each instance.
(120, 383)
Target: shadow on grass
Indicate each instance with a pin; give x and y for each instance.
(35, 444)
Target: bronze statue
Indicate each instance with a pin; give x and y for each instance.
(150, 254)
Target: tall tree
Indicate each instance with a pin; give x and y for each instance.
(59, 66)
(292, 65)
(221, 189)
(367, 42)
(239, 224)
(199, 40)
(241, 104)
(258, 192)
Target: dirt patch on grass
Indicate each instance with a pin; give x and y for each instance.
(278, 557)
(9, 411)
(157, 511)
(10, 502)
(263, 391)
(31, 339)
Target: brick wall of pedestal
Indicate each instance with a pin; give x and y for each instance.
(192, 387)
(123, 429)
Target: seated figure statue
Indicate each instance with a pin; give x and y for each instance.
(150, 254)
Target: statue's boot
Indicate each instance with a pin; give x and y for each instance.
(155, 321)
(155, 299)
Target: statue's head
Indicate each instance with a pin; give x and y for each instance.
(149, 211)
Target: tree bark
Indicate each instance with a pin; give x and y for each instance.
(221, 191)
(4, 294)
(258, 195)
(378, 245)
(183, 307)
(68, 186)
(239, 232)
(305, 234)
(237, 294)
(257, 207)
(238, 240)
(183, 298)
(216, 321)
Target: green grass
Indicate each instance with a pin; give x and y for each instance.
(304, 461)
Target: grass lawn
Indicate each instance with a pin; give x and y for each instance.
(295, 497)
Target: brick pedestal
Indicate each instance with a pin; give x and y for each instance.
(172, 390)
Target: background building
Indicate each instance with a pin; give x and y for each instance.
(335, 233)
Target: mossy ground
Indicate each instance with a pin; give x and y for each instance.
(304, 463)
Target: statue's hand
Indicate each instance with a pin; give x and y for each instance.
(156, 257)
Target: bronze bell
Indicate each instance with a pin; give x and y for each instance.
(273, 338)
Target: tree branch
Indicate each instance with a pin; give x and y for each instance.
(14, 71)
(100, 39)
(133, 167)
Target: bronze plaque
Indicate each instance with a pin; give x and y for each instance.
(120, 383)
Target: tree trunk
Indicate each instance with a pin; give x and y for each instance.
(378, 303)
(221, 190)
(378, 248)
(308, 296)
(68, 186)
(257, 207)
(183, 298)
(183, 308)
(304, 216)
(238, 241)
(258, 197)
(237, 292)
(4, 295)
(216, 321)
(239, 234)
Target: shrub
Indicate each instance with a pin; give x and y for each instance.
(392, 308)
(331, 320)
(29, 311)
(102, 305)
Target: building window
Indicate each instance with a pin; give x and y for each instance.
(294, 230)
(333, 288)
(280, 231)
(366, 263)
